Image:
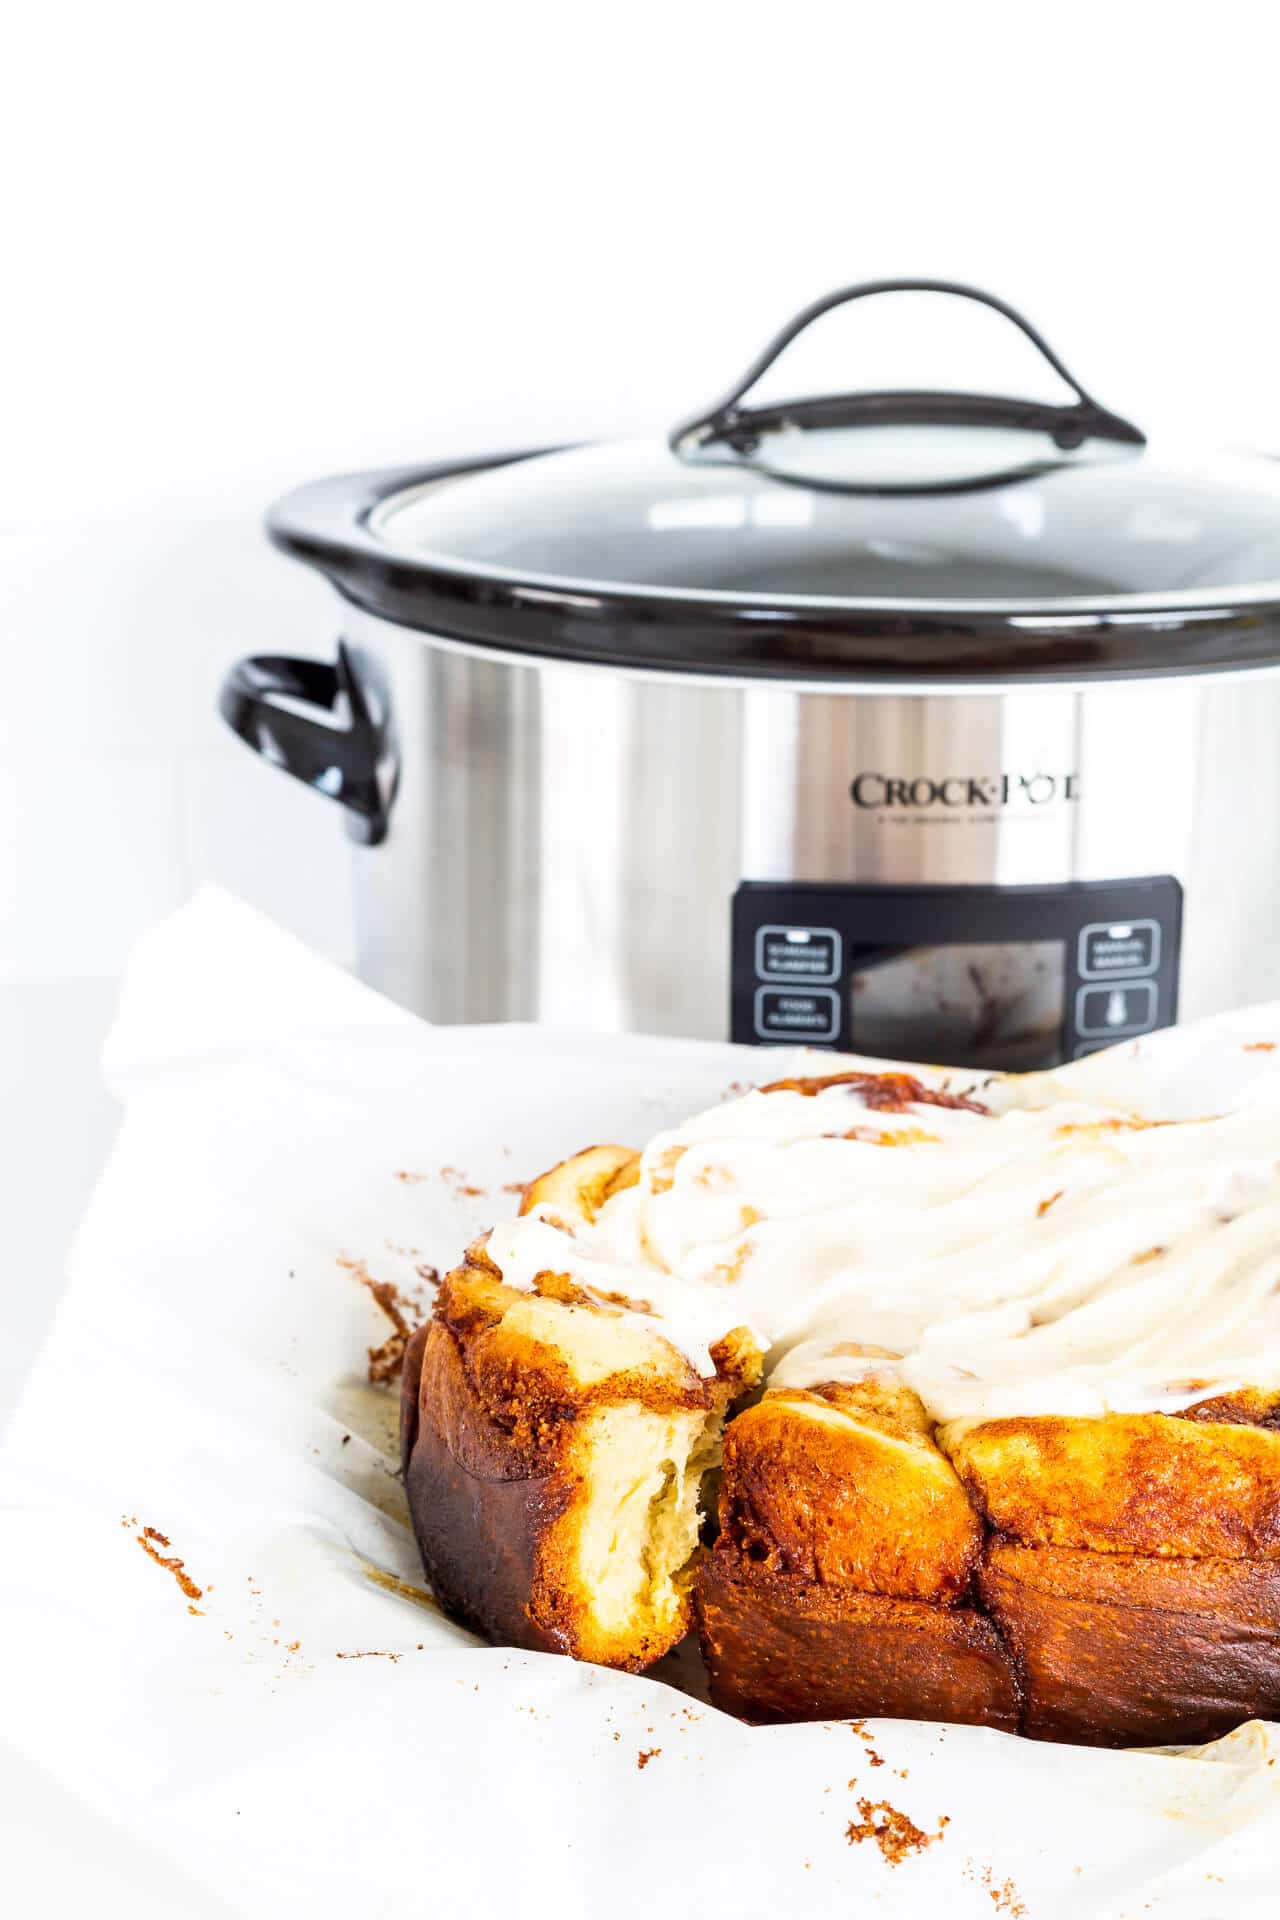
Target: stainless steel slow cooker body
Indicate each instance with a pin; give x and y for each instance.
(677, 790)
(567, 841)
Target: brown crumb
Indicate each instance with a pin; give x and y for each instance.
(293, 1646)
(860, 1728)
(1003, 1894)
(1150, 1253)
(736, 1089)
(1045, 1205)
(1260, 1046)
(371, 1653)
(893, 1831)
(150, 1540)
(387, 1360)
(645, 1755)
(461, 1185)
(514, 1186)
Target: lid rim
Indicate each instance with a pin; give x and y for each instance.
(325, 524)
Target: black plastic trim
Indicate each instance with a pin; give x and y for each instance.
(344, 747)
(326, 525)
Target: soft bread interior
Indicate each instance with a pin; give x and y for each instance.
(638, 1526)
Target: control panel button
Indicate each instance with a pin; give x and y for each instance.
(1128, 947)
(1113, 1012)
(784, 1015)
(797, 953)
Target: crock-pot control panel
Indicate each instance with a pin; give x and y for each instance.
(1002, 977)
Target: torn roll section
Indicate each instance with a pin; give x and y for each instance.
(554, 1457)
(638, 1526)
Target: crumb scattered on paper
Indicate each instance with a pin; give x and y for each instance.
(894, 1832)
(393, 1584)
(462, 1185)
(150, 1539)
(1003, 1894)
(404, 1313)
(645, 1755)
(458, 1182)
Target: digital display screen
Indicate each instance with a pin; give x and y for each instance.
(968, 1006)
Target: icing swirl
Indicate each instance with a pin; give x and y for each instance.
(1053, 1243)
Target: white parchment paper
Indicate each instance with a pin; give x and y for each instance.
(309, 1734)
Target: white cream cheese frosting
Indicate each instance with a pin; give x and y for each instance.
(1065, 1243)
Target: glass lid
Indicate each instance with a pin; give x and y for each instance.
(631, 514)
(865, 534)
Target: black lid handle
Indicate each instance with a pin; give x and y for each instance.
(741, 428)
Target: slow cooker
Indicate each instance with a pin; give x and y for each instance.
(938, 725)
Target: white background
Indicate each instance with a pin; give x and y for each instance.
(247, 244)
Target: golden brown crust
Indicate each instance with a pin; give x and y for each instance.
(480, 1509)
(845, 1486)
(520, 1354)
(779, 1648)
(1127, 1483)
(578, 1187)
(1126, 1650)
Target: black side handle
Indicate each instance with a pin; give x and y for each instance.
(344, 748)
(743, 428)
